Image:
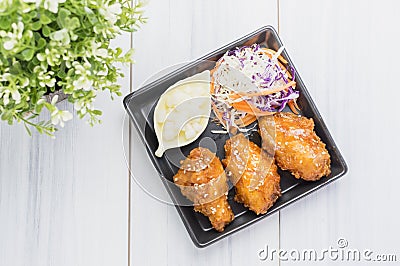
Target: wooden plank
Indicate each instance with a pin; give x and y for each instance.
(179, 31)
(347, 53)
(65, 201)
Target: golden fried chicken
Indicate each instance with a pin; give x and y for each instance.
(253, 172)
(297, 147)
(202, 180)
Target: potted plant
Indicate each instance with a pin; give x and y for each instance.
(55, 49)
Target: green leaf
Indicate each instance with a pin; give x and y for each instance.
(118, 51)
(37, 35)
(6, 115)
(36, 25)
(44, 19)
(73, 23)
(39, 129)
(33, 14)
(15, 69)
(26, 19)
(39, 108)
(27, 129)
(63, 14)
(46, 31)
(61, 72)
(97, 112)
(5, 23)
(41, 44)
(27, 54)
(36, 61)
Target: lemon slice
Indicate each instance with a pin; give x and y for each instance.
(182, 112)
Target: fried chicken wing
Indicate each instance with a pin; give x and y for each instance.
(253, 172)
(297, 147)
(202, 180)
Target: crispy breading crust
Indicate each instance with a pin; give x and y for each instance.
(297, 147)
(202, 180)
(245, 163)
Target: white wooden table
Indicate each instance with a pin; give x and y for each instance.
(71, 201)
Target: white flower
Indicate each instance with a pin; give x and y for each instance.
(83, 83)
(10, 44)
(61, 36)
(15, 95)
(12, 90)
(115, 9)
(31, 7)
(103, 72)
(4, 4)
(45, 78)
(6, 97)
(58, 117)
(111, 12)
(54, 100)
(52, 5)
(102, 52)
(12, 38)
(82, 106)
(41, 101)
(78, 105)
(25, 82)
(97, 50)
(52, 57)
(83, 72)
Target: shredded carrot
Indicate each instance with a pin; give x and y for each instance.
(212, 72)
(292, 107)
(247, 120)
(212, 88)
(241, 106)
(267, 92)
(269, 54)
(295, 104)
(244, 106)
(272, 52)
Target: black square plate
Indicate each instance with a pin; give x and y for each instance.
(140, 106)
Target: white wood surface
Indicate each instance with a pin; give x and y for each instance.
(348, 54)
(66, 201)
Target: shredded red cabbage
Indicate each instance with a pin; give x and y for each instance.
(262, 71)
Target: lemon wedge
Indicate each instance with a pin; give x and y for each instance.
(182, 112)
